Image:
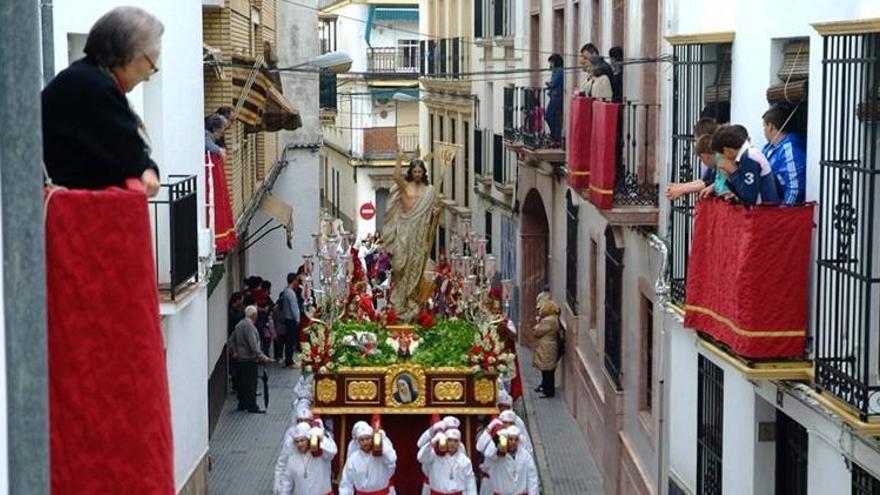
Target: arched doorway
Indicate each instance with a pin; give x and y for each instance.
(534, 235)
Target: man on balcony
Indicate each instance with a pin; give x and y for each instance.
(245, 346)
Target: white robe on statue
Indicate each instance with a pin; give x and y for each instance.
(306, 474)
(365, 472)
(448, 473)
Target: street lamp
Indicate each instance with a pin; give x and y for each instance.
(335, 62)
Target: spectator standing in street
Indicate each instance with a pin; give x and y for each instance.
(92, 138)
(290, 308)
(546, 346)
(245, 345)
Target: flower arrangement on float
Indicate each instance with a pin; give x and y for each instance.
(488, 354)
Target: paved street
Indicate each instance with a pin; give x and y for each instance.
(564, 461)
(245, 446)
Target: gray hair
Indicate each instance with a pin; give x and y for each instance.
(121, 35)
(215, 122)
(250, 311)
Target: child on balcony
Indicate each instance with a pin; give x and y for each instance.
(749, 175)
(702, 132)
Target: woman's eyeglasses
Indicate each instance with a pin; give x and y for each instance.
(153, 68)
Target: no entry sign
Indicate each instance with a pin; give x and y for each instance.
(367, 211)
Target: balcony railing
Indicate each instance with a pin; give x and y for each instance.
(327, 88)
(407, 140)
(174, 213)
(445, 58)
(393, 60)
(524, 117)
(635, 180)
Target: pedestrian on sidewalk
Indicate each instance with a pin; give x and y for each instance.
(546, 346)
(245, 345)
(291, 310)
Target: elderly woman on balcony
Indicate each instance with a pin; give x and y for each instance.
(92, 138)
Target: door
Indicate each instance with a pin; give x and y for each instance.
(533, 238)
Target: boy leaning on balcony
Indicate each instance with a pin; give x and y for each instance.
(749, 175)
(705, 127)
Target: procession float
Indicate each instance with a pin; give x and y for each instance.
(423, 339)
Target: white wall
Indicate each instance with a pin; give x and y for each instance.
(682, 397)
(217, 322)
(297, 42)
(187, 364)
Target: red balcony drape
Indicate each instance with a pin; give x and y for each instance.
(603, 154)
(109, 408)
(748, 277)
(225, 236)
(579, 135)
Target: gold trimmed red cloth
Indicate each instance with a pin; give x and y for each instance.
(225, 236)
(579, 134)
(748, 277)
(603, 154)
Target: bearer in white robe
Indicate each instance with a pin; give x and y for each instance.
(512, 472)
(368, 470)
(302, 416)
(448, 467)
(425, 439)
(308, 468)
(510, 418)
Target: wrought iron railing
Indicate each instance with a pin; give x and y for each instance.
(636, 183)
(394, 60)
(174, 213)
(327, 91)
(693, 67)
(848, 264)
(524, 117)
(445, 58)
(710, 426)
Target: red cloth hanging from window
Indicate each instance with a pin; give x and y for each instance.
(225, 236)
(603, 154)
(748, 277)
(579, 135)
(110, 415)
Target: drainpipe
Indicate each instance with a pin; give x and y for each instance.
(24, 278)
(661, 290)
(47, 34)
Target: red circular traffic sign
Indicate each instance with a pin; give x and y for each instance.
(367, 211)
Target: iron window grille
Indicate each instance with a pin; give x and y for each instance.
(863, 483)
(509, 129)
(478, 151)
(710, 421)
(699, 74)
(327, 91)
(571, 252)
(498, 158)
(848, 271)
(792, 449)
(613, 307)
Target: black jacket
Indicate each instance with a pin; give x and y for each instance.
(90, 133)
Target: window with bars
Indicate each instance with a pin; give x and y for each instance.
(488, 231)
(848, 272)
(613, 307)
(792, 444)
(700, 88)
(646, 395)
(863, 483)
(571, 252)
(327, 34)
(710, 421)
(478, 152)
(498, 158)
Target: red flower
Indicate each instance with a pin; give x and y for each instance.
(425, 319)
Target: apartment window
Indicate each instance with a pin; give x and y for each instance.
(327, 34)
(478, 18)
(452, 132)
(498, 158)
(571, 252)
(431, 144)
(559, 30)
(863, 483)
(467, 164)
(488, 231)
(440, 137)
(792, 445)
(710, 422)
(646, 396)
(478, 152)
(408, 51)
(848, 276)
(701, 87)
(613, 303)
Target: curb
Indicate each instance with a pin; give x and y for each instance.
(528, 406)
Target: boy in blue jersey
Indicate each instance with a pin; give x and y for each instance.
(749, 175)
(786, 153)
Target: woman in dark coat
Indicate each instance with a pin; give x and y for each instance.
(92, 138)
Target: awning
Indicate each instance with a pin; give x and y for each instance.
(388, 93)
(398, 14)
(281, 212)
(264, 107)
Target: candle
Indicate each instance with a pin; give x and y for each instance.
(506, 289)
(489, 265)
